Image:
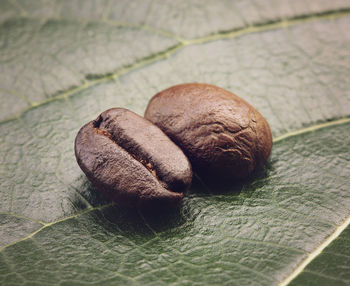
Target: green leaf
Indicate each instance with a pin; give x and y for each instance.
(331, 266)
(64, 62)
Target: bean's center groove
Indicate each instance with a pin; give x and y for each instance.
(102, 131)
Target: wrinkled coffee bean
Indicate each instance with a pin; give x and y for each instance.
(223, 136)
(131, 161)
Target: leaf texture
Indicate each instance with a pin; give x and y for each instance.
(64, 62)
(331, 267)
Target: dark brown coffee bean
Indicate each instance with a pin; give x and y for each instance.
(131, 160)
(223, 136)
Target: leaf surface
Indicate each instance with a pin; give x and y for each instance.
(331, 266)
(64, 62)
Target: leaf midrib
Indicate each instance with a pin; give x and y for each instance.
(93, 80)
(312, 255)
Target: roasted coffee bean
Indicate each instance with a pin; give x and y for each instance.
(131, 161)
(223, 136)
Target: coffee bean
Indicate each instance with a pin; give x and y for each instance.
(223, 136)
(131, 161)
